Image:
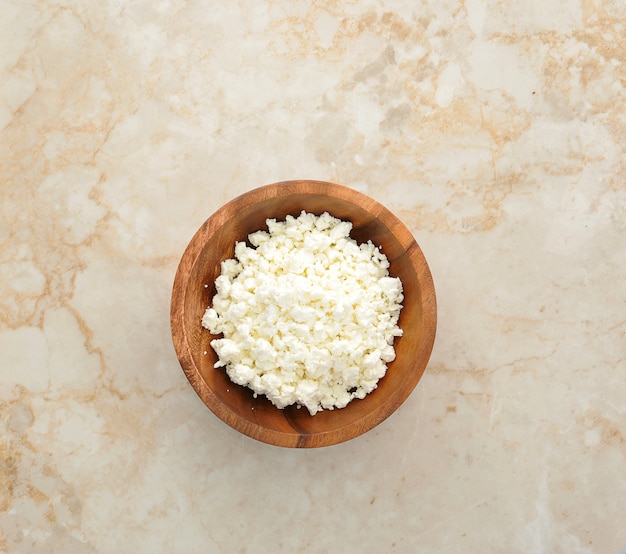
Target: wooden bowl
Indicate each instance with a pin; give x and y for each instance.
(200, 266)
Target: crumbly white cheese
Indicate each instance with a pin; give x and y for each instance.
(308, 316)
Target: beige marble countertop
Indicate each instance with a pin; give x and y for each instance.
(495, 130)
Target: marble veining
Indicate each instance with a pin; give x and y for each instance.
(495, 130)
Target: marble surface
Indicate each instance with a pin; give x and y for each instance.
(495, 130)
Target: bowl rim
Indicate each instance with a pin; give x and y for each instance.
(180, 289)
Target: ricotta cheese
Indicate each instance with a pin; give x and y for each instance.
(308, 316)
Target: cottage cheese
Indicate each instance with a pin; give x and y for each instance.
(308, 316)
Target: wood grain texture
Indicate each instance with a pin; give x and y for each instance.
(200, 266)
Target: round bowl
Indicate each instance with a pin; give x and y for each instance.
(194, 288)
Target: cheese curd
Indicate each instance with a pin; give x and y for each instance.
(308, 316)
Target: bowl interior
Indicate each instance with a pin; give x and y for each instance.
(257, 417)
